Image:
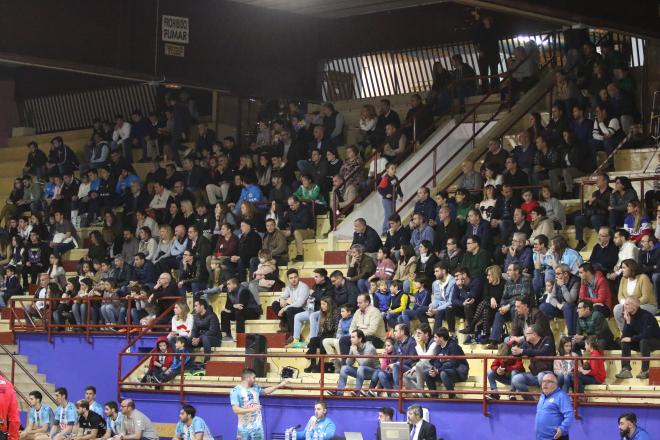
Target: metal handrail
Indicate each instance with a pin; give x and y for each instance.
(180, 388)
(591, 181)
(14, 362)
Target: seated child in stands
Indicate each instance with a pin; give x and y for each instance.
(564, 367)
(502, 370)
(592, 371)
(331, 345)
(266, 277)
(528, 204)
(181, 357)
(380, 295)
(398, 303)
(217, 277)
(384, 370)
(422, 298)
(159, 362)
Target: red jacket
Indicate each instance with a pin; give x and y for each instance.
(597, 366)
(601, 289)
(508, 364)
(8, 409)
(154, 357)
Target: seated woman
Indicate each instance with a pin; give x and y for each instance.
(622, 194)
(487, 205)
(328, 322)
(240, 306)
(553, 207)
(385, 269)
(182, 323)
(634, 283)
(636, 222)
(482, 320)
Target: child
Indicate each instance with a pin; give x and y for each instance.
(398, 303)
(592, 371)
(386, 187)
(158, 362)
(502, 370)
(266, 277)
(381, 295)
(528, 204)
(216, 280)
(331, 345)
(564, 367)
(180, 358)
(421, 298)
(385, 361)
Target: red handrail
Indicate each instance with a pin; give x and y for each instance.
(14, 362)
(590, 181)
(401, 392)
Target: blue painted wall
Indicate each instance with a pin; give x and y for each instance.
(71, 362)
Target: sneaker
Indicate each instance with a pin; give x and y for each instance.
(491, 346)
(469, 340)
(331, 393)
(289, 340)
(299, 345)
(624, 374)
(482, 339)
(492, 397)
(643, 375)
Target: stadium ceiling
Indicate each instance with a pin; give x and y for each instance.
(337, 8)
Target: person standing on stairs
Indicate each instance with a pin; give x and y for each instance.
(9, 417)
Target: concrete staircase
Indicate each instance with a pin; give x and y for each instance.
(23, 380)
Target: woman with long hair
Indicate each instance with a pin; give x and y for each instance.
(248, 211)
(98, 249)
(636, 284)
(637, 223)
(173, 216)
(328, 322)
(487, 204)
(264, 171)
(188, 213)
(407, 265)
(147, 245)
(563, 367)
(352, 170)
(367, 124)
(112, 232)
(182, 323)
(11, 208)
(55, 271)
(164, 248)
(36, 221)
(486, 309)
(553, 208)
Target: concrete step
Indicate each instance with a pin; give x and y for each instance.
(22, 141)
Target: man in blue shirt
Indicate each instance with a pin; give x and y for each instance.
(319, 425)
(40, 418)
(191, 427)
(65, 418)
(554, 412)
(629, 430)
(90, 396)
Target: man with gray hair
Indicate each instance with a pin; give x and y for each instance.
(562, 300)
(360, 266)
(640, 332)
(420, 429)
(470, 180)
(519, 252)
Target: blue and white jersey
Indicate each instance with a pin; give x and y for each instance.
(198, 425)
(66, 416)
(42, 417)
(247, 398)
(114, 426)
(97, 408)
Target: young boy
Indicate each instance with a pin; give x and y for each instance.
(420, 299)
(381, 298)
(331, 345)
(159, 362)
(386, 187)
(398, 303)
(181, 357)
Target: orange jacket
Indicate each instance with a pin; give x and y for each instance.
(9, 419)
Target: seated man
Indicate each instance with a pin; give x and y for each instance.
(297, 224)
(591, 322)
(40, 418)
(395, 143)
(464, 299)
(534, 345)
(292, 301)
(562, 300)
(640, 332)
(240, 306)
(65, 415)
(405, 346)
(319, 425)
(206, 327)
(190, 426)
(595, 289)
(113, 420)
(517, 286)
(90, 424)
(366, 366)
(448, 371)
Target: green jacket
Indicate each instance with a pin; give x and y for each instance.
(595, 324)
(33, 193)
(476, 264)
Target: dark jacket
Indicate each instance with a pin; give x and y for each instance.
(347, 294)
(604, 258)
(201, 248)
(482, 231)
(406, 348)
(443, 233)
(426, 431)
(145, 275)
(321, 290)
(472, 291)
(600, 204)
(249, 245)
(451, 349)
(545, 347)
(206, 325)
(649, 261)
(643, 325)
(369, 239)
(535, 316)
(195, 273)
(362, 270)
(123, 276)
(241, 296)
(401, 236)
(298, 219)
(428, 208)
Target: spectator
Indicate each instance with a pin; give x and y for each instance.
(604, 254)
(649, 261)
(331, 345)
(524, 154)
(546, 161)
(389, 189)
(367, 126)
(541, 224)
(418, 120)
(634, 284)
(592, 371)
(465, 297)
(595, 289)
(398, 303)
(292, 301)
(447, 371)
(475, 259)
(591, 323)
(640, 332)
(420, 299)
(182, 323)
(438, 97)
(623, 194)
(333, 124)
(396, 235)
(360, 265)
(629, 430)
(487, 204)
(495, 157)
(297, 222)
(528, 203)
(420, 231)
(517, 286)
(407, 265)
(562, 254)
(470, 179)
(344, 291)
(580, 126)
(425, 263)
(554, 411)
(463, 205)
(477, 226)
(627, 251)
(387, 115)
(636, 222)
(404, 346)
(395, 143)
(533, 346)
(425, 346)
(464, 81)
(596, 211)
(502, 370)
(565, 92)
(121, 137)
(36, 161)
(562, 300)
(368, 319)
(240, 306)
(425, 204)
(206, 328)
(327, 326)
(519, 253)
(606, 134)
(343, 195)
